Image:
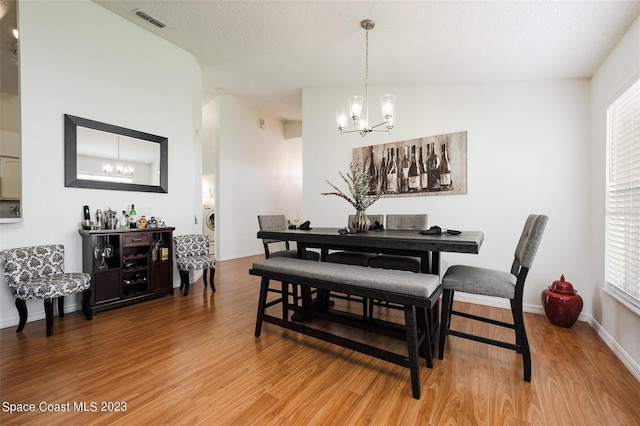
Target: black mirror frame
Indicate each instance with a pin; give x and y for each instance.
(71, 124)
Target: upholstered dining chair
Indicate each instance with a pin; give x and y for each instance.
(489, 282)
(401, 222)
(37, 272)
(192, 253)
(354, 257)
(276, 223)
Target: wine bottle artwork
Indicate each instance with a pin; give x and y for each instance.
(424, 166)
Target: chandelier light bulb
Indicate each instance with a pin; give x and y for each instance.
(342, 118)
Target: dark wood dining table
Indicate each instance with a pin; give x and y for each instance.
(405, 243)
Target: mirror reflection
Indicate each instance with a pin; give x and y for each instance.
(10, 176)
(105, 156)
(110, 157)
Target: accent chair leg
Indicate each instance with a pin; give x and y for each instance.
(184, 281)
(48, 311)
(61, 306)
(213, 274)
(21, 305)
(86, 307)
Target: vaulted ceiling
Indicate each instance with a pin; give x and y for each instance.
(266, 51)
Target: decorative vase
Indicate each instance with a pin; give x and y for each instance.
(561, 303)
(361, 221)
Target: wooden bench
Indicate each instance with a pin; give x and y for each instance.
(417, 293)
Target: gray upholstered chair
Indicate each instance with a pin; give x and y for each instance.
(488, 282)
(403, 222)
(354, 257)
(192, 253)
(277, 223)
(38, 273)
(400, 222)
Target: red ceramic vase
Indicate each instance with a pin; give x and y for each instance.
(561, 303)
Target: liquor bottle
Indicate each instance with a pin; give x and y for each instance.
(133, 219)
(123, 221)
(422, 168)
(445, 169)
(433, 170)
(404, 167)
(392, 175)
(383, 173)
(414, 176)
(373, 175)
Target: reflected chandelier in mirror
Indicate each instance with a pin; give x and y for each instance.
(104, 156)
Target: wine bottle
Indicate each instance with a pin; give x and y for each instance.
(132, 217)
(414, 176)
(445, 169)
(373, 175)
(433, 170)
(392, 175)
(404, 167)
(422, 168)
(383, 174)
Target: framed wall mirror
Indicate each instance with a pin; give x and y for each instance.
(105, 156)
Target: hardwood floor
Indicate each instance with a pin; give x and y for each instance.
(195, 360)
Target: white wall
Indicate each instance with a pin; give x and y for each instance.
(527, 152)
(81, 59)
(258, 172)
(620, 327)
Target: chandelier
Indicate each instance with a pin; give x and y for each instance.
(118, 168)
(356, 103)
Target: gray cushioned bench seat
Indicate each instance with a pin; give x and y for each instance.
(388, 280)
(417, 293)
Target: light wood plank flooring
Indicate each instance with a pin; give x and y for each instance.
(195, 360)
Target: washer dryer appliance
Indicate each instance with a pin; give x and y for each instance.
(209, 225)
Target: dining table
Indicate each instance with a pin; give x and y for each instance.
(396, 242)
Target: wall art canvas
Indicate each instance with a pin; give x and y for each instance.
(432, 165)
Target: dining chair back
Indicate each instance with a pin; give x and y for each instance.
(402, 222)
(278, 222)
(489, 282)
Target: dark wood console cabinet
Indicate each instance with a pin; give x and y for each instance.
(127, 265)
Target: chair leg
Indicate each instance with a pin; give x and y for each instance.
(212, 274)
(86, 307)
(21, 305)
(48, 311)
(184, 281)
(411, 325)
(521, 338)
(61, 306)
(262, 302)
(445, 320)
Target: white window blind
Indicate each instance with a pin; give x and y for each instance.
(623, 196)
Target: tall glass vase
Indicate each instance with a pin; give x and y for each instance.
(361, 221)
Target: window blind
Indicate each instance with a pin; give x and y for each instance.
(622, 258)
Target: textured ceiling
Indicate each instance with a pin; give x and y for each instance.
(266, 51)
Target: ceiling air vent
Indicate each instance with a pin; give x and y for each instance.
(149, 18)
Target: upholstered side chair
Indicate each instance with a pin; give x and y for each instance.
(37, 272)
(192, 253)
(402, 222)
(489, 282)
(277, 223)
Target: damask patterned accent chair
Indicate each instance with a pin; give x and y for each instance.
(38, 273)
(192, 253)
